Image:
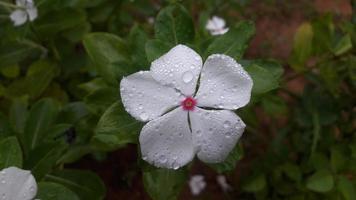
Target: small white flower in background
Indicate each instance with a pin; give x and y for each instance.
(197, 184)
(17, 184)
(216, 26)
(179, 125)
(151, 20)
(221, 179)
(27, 12)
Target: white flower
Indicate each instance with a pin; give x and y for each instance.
(221, 179)
(216, 26)
(197, 184)
(180, 125)
(17, 184)
(21, 15)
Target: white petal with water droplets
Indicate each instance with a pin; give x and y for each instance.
(215, 133)
(144, 98)
(224, 84)
(19, 17)
(167, 141)
(179, 68)
(16, 184)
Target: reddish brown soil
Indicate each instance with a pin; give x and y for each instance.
(275, 24)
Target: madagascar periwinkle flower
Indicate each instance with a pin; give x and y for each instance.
(197, 184)
(26, 11)
(182, 121)
(216, 26)
(17, 184)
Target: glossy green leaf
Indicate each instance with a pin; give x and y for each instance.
(85, 184)
(174, 25)
(54, 191)
(116, 128)
(234, 42)
(155, 49)
(110, 55)
(171, 180)
(320, 181)
(346, 188)
(40, 119)
(343, 45)
(138, 39)
(302, 46)
(43, 159)
(18, 114)
(13, 52)
(263, 80)
(10, 153)
(10, 71)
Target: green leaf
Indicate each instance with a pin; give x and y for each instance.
(338, 159)
(230, 162)
(18, 114)
(174, 25)
(138, 39)
(110, 55)
(343, 45)
(302, 46)
(171, 180)
(10, 153)
(99, 100)
(155, 49)
(320, 181)
(12, 53)
(73, 112)
(274, 105)
(10, 71)
(85, 184)
(58, 20)
(39, 76)
(263, 80)
(40, 119)
(54, 191)
(116, 128)
(346, 188)
(255, 184)
(292, 171)
(234, 42)
(43, 159)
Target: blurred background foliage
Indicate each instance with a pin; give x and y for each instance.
(61, 116)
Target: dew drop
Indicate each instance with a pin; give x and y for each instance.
(187, 76)
(144, 116)
(227, 124)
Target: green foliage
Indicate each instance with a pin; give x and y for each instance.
(60, 98)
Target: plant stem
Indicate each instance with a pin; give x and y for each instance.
(316, 132)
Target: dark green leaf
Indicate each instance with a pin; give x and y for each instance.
(302, 46)
(255, 184)
(263, 80)
(116, 128)
(109, 53)
(171, 180)
(174, 25)
(54, 191)
(320, 181)
(234, 42)
(10, 153)
(155, 49)
(85, 184)
(346, 188)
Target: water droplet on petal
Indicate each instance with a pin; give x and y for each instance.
(227, 124)
(187, 76)
(144, 116)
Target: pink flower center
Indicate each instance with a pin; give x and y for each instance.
(189, 103)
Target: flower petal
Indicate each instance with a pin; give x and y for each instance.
(19, 17)
(167, 141)
(144, 98)
(32, 13)
(179, 68)
(16, 183)
(223, 84)
(215, 133)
